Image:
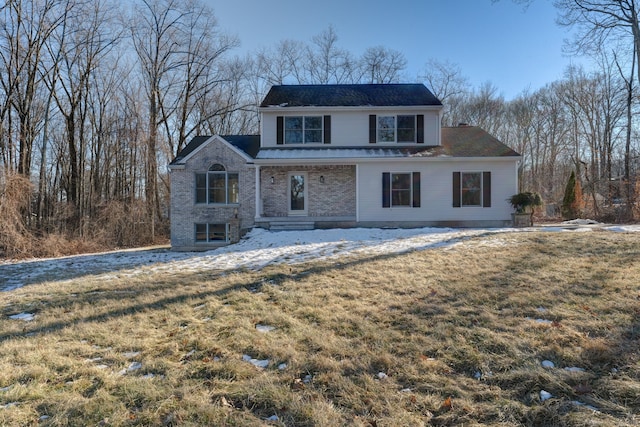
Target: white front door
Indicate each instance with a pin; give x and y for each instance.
(297, 193)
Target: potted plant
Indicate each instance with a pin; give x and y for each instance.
(524, 205)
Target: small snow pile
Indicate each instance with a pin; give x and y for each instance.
(545, 395)
(9, 405)
(134, 366)
(548, 364)
(255, 362)
(264, 328)
(27, 317)
(580, 221)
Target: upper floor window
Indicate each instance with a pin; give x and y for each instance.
(303, 130)
(396, 128)
(217, 186)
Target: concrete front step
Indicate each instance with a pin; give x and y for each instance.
(293, 225)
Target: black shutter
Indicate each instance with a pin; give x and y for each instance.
(386, 190)
(327, 129)
(456, 190)
(372, 129)
(420, 128)
(280, 130)
(416, 189)
(486, 189)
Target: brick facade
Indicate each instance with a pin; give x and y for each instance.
(334, 197)
(240, 216)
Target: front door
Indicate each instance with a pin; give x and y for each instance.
(297, 193)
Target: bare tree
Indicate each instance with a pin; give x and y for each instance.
(26, 26)
(448, 84)
(382, 65)
(326, 62)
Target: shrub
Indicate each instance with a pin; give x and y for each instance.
(572, 201)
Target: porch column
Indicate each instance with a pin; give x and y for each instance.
(258, 194)
(357, 194)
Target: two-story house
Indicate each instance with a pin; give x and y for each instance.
(341, 156)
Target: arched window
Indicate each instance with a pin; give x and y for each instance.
(217, 186)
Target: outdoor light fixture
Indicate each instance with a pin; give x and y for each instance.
(273, 180)
(321, 179)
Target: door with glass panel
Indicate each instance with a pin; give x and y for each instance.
(297, 193)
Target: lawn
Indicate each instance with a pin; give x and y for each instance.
(509, 329)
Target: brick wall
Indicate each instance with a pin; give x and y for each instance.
(335, 197)
(185, 212)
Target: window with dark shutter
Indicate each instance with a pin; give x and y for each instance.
(456, 190)
(486, 189)
(372, 129)
(386, 189)
(279, 130)
(327, 129)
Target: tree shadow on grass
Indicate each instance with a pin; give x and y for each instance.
(194, 282)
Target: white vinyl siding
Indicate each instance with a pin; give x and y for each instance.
(350, 128)
(436, 178)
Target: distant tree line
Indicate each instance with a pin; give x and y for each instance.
(96, 97)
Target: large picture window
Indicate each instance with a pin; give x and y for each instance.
(303, 129)
(401, 189)
(217, 186)
(206, 233)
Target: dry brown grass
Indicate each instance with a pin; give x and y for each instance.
(454, 331)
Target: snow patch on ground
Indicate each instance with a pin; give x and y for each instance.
(261, 248)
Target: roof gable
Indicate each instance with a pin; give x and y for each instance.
(246, 145)
(352, 95)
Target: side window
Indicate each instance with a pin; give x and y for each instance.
(401, 189)
(471, 189)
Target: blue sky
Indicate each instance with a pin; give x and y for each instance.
(512, 47)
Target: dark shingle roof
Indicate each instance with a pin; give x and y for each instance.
(356, 95)
(250, 144)
(472, 141)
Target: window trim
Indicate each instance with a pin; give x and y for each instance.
(462, 189)
(227, 188)
(304, 129)
(414, 189)
(396, 129)
(208, 233)
(484, 190)
(374, 128)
